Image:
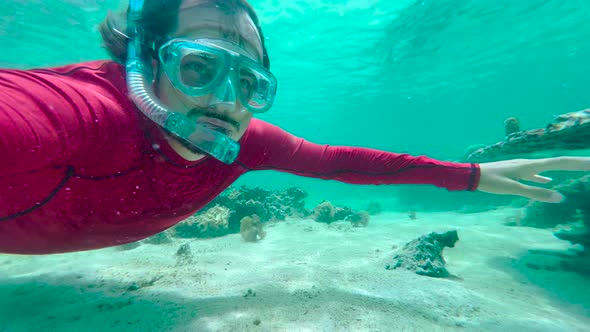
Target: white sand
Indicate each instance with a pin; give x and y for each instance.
(306, 276)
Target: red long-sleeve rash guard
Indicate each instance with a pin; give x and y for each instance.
(83, 169)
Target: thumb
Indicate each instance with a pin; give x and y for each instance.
(535, 193)
(506, 186)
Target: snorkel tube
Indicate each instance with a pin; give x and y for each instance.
(139, 77)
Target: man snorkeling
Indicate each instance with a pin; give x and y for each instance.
(105, 153)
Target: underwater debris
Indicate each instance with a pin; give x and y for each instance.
(251, 229)
(424, 255)
(570, 131)
(412, 215)
(184, 255)
(327, 213)
(143, 283)
(250, 293)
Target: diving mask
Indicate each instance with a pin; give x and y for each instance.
(197, 68)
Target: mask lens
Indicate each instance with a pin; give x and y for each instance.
(196, 70)
(191, 68)
(248, 83)
(257, 89)
(199, 69)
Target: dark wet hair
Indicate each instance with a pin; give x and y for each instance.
(159, 19)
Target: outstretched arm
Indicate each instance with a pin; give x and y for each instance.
(269, 147)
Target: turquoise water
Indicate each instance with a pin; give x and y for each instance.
(425, 77)
(421, 77)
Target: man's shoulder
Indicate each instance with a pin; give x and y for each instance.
(258, 126)
(89, 71)
(93, 66)
(262, 133)
(258, 130)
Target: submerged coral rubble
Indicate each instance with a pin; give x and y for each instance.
(571, 219)
(570, 131)
(246, 210)
(424, 255)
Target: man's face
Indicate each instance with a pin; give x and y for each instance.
(222, 108)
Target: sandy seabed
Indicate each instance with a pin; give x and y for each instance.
(305, 276)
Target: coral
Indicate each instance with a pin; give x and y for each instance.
(424, 255)
(251, 229)
(268, 205)
(325, 212)
(213, 222)
(511, 126)
(471, 149)
(577, 233)
(546, 215)
(360, 219)
(223, 215)
(572, 216)
(570, 131)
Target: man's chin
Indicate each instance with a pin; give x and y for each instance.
(192, 148)
(188, 146)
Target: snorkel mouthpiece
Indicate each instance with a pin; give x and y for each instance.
(139, 76)
(212, 142)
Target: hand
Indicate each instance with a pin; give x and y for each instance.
(502, 177)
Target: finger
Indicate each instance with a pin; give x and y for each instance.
(538, 179)
(563, 164)
(535, 193)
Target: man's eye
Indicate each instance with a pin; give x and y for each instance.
(198, 67)
(247, 86)
(247, 82)
(196, 72)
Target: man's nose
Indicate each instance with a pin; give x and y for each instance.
(225, 97)
(226, 92)
(225, 107)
